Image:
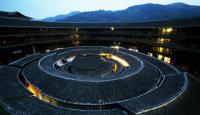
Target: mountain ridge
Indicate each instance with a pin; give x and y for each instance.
(14, 15)
(57, 17)
(135, 14)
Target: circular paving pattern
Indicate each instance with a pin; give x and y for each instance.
(91, 80)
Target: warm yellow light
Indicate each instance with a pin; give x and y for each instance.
(167, 30)
(49, 100)
(150, 54)
(34, 91)
(116, 58)
(114, 67)
(106, 55)
(163, 40)
(115, 47)
(167, 59)
(76, 36)
(121, 61)
(40, 96)
(160, 49)
(160, 57)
